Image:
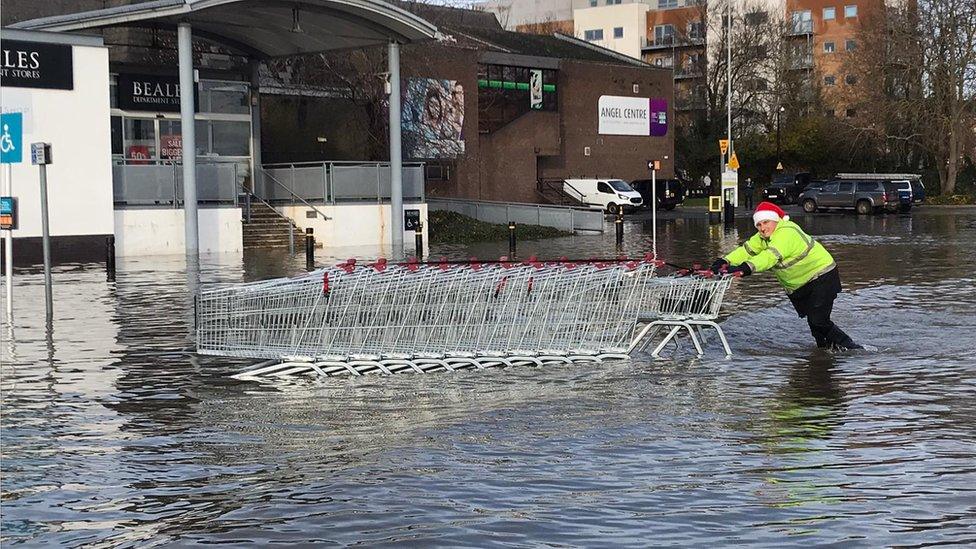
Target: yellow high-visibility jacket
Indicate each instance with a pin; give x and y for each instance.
(793, 256)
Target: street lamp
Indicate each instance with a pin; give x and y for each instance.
(778, 113)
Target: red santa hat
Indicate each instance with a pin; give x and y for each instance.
(767, 211)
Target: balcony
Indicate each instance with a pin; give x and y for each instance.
(801, 62)
(671, 42)
(801, 28)
(685, 73)
(689, 102)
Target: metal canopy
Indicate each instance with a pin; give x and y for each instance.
(262, 28)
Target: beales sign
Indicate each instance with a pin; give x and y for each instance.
(633, 116)
(150, 92)
(36, 65)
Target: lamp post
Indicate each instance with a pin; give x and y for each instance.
(779, 112)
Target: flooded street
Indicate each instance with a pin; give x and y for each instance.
(115, 434)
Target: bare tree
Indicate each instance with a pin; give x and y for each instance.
(918, 66)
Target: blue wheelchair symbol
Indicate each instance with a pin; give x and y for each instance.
(11, 138)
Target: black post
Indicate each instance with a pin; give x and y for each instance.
(729, 208)
(778, 113)
(418, 237)
(511, 239)
(619, 225)
(309, 249)
(110, 257)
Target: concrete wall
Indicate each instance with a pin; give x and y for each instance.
(354, 224)
(161, 231)
(512, 13)
(76, 123)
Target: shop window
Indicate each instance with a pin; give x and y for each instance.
(117, 148)
(505, 94)
(231, 138)
(170, 140)
(139, 139)
(224, 97)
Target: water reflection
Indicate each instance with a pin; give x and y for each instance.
(115, 433)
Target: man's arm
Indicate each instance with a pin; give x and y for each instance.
(749, 249)
(782, 246)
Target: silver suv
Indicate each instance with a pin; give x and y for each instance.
(862, 196)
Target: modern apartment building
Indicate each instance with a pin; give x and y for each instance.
(676, 34)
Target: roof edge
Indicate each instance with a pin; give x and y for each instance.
(608, 52)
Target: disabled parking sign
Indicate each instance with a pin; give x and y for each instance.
(11, 137)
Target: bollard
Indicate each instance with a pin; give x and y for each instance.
(729, 213)
(511, 239)
(418, 238)
(619, 226)
(309, 249)
(110, 257)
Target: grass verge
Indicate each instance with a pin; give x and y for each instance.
(453, 228)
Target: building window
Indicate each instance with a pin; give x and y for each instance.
(830, 80)
(612, 2)
(829, 113)
(664, 4)
(756, 18)
(801, 22)
(851, 113)
(850, 11)
(828, 47)
(850, 45)
(696, 30)
(829, 13)
(850, 79)
(593, 35)
(593, 3)
(618, 32)
(663, 34)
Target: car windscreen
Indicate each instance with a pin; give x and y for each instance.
(620, 185)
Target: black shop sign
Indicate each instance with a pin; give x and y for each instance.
(36, 65)
(150, 92)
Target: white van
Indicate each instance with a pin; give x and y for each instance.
(605, 194)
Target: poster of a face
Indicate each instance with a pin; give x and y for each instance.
(433, 119)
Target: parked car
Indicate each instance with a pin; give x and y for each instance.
(605, 194)
(670, 192)
(785, 189)
(862, 196)
(911, 191)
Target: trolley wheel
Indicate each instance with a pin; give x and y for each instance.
(809, 205)
(864, 207)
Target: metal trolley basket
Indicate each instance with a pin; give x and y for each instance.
(390, 318)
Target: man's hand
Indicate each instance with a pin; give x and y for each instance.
(740, 270)
(718, 264)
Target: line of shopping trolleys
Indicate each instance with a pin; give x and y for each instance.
(357, 318)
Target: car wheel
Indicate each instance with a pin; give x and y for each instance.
(809, 205)
(612, 208)
(670, 207)
(864, 207)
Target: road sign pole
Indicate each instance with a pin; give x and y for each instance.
(654, 210)
(8, 250)
(48, 300)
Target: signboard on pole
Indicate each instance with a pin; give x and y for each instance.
(535, 89)
(8, 213)
(734, 162)
(11, 137)
(723, 145)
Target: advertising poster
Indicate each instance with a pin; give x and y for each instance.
(433, 119)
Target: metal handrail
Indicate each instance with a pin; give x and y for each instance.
(264, 172)
(336, 162)
(250, 193)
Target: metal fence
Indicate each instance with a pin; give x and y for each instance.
(333, 182)
(566, 218)
(156, 183)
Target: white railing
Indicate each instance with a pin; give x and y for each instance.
(160, 183)
(566, 218)
(332, 182)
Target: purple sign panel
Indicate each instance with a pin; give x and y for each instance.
(659, 116)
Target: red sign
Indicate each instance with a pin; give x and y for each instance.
(171, 146)
(137, 153)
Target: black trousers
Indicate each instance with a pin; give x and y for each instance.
(748, 197)
(815, 301)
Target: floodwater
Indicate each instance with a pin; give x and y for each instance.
(115, 435)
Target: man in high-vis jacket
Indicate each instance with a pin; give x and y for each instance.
(801, 264)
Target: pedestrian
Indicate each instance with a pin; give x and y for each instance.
(749, 191)
(801, 264)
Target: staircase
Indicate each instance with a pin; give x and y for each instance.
(269, 229)
(551, 191)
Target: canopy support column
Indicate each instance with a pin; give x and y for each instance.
(396, 160)
(257, 175)
(188, 129)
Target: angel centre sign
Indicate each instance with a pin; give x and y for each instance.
(633, 116)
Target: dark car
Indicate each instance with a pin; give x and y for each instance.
(786, 189)
(670, 192)
(862, 196)
(910, 190)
